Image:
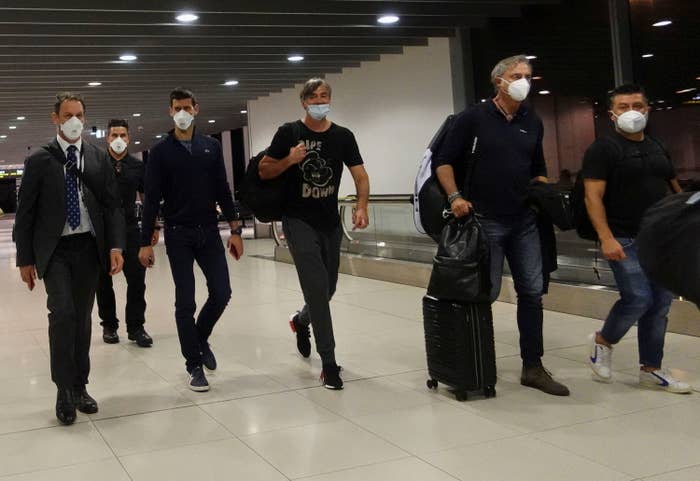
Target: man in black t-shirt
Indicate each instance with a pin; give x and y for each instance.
(129, 172)
(310, 157)
(500, 142)
(623, 176)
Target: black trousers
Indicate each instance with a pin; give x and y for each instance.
(186, 245)
(135, 273)
(316, 256)
(70, 282)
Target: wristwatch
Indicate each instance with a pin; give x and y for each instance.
(237, 231)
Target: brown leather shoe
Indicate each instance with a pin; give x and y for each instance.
(539, 378)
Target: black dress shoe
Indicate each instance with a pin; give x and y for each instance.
(65, 406)
(83, 401)
(141, 337)
(110, 335)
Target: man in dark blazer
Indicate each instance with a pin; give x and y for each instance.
(69, 225)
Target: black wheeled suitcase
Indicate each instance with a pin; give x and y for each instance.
(460, 347)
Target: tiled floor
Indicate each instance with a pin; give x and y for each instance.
(267, 419)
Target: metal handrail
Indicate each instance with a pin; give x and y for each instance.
(348, 200)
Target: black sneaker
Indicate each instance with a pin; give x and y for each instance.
(141, 338)
(110, 335)
(208, 358)
(303, 335)
(330, 377)
(198, 381)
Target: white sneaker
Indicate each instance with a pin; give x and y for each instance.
(663, 379)
(600, 360)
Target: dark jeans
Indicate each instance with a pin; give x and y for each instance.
(70, 282)
(135, 275)
(316, 256)
(184, 246)
(641, 301)
(517, 240)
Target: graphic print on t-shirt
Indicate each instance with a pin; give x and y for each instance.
(316, 173)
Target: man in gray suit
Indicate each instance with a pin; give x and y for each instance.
(69, 225)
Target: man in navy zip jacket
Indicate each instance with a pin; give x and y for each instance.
(500, 142)
(187, 171)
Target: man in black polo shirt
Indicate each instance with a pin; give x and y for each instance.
(310, 155)
(625, 174)
(187, 171)
(501, 139)
(129, 172)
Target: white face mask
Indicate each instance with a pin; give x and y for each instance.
(118, 145)
(72, 128)
(183, 119)
(518, 89)
(318, 111)
(632, 121)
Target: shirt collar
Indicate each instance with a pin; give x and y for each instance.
(64, 145)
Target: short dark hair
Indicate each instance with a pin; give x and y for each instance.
(65, 97)
(181, 93)
(118, 123)
(626, 89)
(310, 87)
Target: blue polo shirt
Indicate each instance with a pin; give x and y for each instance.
(507, 155)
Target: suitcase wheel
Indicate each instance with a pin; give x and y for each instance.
(490, 391)
(431, 384)
(461, 396)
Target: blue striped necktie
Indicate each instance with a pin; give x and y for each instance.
(72, 205)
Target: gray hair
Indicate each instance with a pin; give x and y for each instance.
(310, 87)
(502, 66)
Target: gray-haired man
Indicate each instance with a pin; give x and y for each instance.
(504, 137)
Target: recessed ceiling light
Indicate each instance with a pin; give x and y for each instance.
(483, 100)
(187, 17)
(647, 55)
(669, 108)
(544, 92)
(295, 58)
(136, 114)
(388, 19)
(244, 111)
(128, 57)
(662, 23)
(537, 78)
(13, 127)
(3, 136)
(229, 83)
(212, 121)
(158, 136)
(531, 57)
(95, 84)
(21, 117)
(685, 91)
(660, 101)
(137, 142)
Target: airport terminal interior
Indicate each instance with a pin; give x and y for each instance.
(397, 69)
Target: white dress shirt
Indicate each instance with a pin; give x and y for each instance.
(85, 223)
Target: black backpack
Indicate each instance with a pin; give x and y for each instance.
(265, 198)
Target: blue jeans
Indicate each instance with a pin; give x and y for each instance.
(517, 240)
(641, 301)
(184, 246)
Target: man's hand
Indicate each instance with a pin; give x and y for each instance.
(146, 256)
(360, 219)
(612, 250)
(235, 246)
(460, 207)
(116, 262)
(297, 153)
(28, 274)
(155, 237)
